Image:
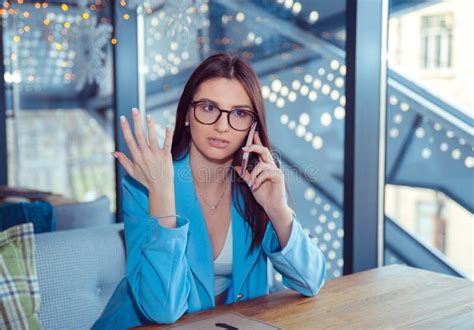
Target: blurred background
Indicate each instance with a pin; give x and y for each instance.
(67, 65)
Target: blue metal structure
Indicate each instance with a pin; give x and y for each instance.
(3, 115)
(125, 87)
(364, 145)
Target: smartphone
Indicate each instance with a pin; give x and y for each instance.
(245, 157)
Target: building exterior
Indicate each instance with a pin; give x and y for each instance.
(429, 46)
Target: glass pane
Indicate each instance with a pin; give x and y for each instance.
(429, 144)
(300, 62)
(58, 62)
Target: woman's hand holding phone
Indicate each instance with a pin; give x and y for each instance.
(150, 165)
(266, 180)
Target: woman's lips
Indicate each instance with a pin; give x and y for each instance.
(218, 143)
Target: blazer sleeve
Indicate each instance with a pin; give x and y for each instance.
(301, 263)
(157, 269)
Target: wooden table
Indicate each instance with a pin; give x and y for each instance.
(387, 297)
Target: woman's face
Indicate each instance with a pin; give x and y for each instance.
(226, 94)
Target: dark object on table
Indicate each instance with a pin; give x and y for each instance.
(30, 194)
(25, 194)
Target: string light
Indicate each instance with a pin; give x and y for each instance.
(61, 26)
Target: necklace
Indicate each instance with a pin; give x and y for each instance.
(212, 207)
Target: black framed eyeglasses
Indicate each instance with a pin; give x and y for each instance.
(208, 113)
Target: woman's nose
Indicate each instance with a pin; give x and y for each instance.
(222, 125)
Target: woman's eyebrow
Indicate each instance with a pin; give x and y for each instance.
(216, 103)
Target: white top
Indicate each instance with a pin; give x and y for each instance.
(223, 265)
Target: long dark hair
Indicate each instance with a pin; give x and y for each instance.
(228, 66)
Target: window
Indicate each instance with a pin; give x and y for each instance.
(430, 224)
(436, 41)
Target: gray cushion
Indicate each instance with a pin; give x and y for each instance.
(81, 215)
(78, 271)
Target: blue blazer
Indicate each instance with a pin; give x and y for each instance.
(170, 270)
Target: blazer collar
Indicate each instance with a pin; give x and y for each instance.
(199, 251)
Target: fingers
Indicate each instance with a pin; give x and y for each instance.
(260, 173)
(263, 152)
(168, 139)
(126, 163)
(152, 136)
(273, 174)
(256, 140)
(257, 171)
(129, 139)
(138, 128)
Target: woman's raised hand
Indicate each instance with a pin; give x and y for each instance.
(150, 165)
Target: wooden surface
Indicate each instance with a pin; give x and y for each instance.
(387, 297)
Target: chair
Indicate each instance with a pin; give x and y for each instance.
(78, 270)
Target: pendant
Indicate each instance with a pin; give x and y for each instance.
(213, 207)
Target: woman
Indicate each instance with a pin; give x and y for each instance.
(197, 233)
